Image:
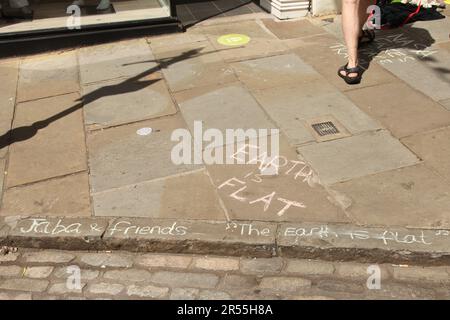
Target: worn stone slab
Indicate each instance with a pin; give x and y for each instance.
(292, 29)
(274, 71)
(188, 195)
(400, 108)
(36, 123)
(189, 236)
(226, 107)
(47, 75)
(262, 43)
(445, 103)
(357, 156)
(189, 36)
(193, 65)
(130, 58)
(294, 193)
(122, 101)
(292, 106)
(412, 197)
(119, 156)
(57, 232)
(325, 53)
(8, 78)
(437, 29)
(67, 196)
(434, 148)
(365, 244)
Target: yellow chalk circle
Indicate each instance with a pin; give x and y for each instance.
(233, 39)
(447, 1)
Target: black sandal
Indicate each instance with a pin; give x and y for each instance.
(351, 80)
(367, 37)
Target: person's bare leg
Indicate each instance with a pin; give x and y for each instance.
(351, 28)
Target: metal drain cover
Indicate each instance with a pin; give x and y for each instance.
(325, 128)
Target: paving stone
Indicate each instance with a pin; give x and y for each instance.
(226, 107)
(119, 156)
(185, 279)
(2, 176)
(189, 36)
(107, 260)
(14, 296)
(30, 285)
(360, 271)
(147, 291)
(284, 283)
(262, 43)
(292, 106)
(105, 288)
(275, 71)
(234, 282)
(183, 294)
(306, 297)
(8, 78)
(357, 156)
(10, 271)
(445, 103)
(309, 267)
(134, 275)
(402, 292)
(433, 29)
(261, 265)
(9, 257)
(85, 274)
(216, 263)
(433, 148)
(418, 197)
(48, 256)
(400, 108)
(123, 101)
(38, 272)
(63, 288)
(413, 273)
(130, 58)
(292, 29)
(213, 295)
(188, 195)
(340, 286)
(57, 73)
(193, 65)
(56, 119)
(167, 261)
(68, 196)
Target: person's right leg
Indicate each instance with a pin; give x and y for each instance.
(351, 27)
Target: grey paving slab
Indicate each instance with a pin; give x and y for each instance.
(357, 156)
(291, 106)
(274, 71)
(115, 60)
(445, 103)
(192, 65)
(48, 140)
(438, 29)
(400, 108)
(66, 196)
(434, 148)
(123, 101)
(8, 78)
(47, 75)
(2, 174)
(184, 196)
(225, 107)
(119, 156)
(292, 29)
(409, 197)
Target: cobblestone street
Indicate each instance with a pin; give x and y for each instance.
(48, 274)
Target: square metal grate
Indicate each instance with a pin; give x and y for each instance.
(325, 128)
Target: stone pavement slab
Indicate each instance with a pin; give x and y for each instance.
(433, 147)
(292, 29)
(223, 107)
(48, 140)
(357, 156)
(400, 108)
(438, 29)
(186, 196)
(275, 71)
(8, 78)
(115, 60)
(66, 196)
(445, 103)
(291, 106)
(409, 197)
(124, 101)
(192, 65)
(119, 156)
(57, 73)
(262, 42)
